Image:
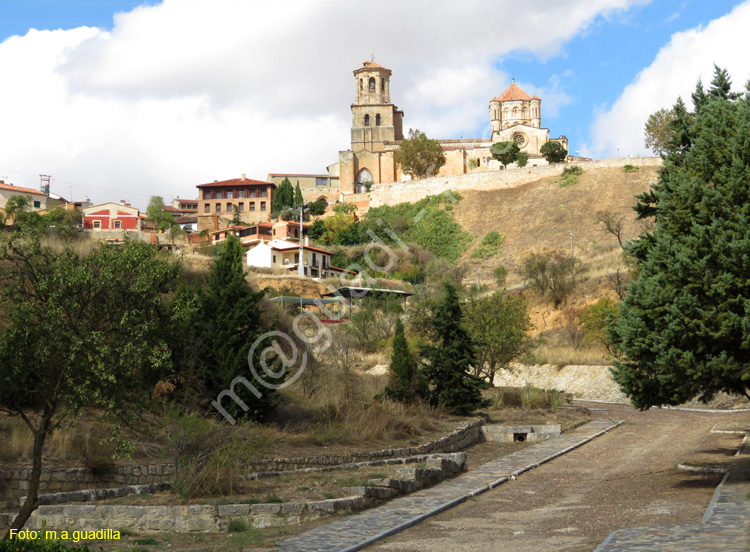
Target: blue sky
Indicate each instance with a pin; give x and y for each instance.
(124, 99)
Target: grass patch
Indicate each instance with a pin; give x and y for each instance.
(353, 482)
(274, 499)
(237, 526)
(250, 501)
(328, 495)
(489, 247)
(630, 169)
(145, 541)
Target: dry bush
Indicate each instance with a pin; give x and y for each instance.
(563, 355)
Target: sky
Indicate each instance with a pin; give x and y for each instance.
(119, 99)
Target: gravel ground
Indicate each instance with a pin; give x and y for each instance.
(627, 478)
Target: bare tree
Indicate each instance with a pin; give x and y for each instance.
(612, 224)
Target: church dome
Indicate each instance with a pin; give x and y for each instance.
(511, 94)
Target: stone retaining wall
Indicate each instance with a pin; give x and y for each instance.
(412, 191)
(459, 439)
(14, 481)
(521, 434)
(216, 517)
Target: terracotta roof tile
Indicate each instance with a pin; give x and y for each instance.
(235, 182)
(19, 189)
(512, 93)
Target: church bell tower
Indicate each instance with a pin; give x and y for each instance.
(375, 120)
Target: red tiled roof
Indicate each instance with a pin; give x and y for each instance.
(535, 97)
(236, 182)
(368, 65)
(19, 189)
(288, 246)
(512, 93)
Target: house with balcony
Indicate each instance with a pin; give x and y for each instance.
(284, 254)
(38, 201)
(219, 201)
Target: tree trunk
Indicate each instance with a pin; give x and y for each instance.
(32, 498)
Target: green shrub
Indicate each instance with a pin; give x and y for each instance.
(237, 526)
(630, 169)
(328, 495)
(489, 247)
(570, 175)
(274, 499)
(146, 541)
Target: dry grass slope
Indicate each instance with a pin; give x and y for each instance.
(541, 214)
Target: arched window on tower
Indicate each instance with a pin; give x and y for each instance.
(372, 83)
(361, 84)
(367, 120)
(382, 85)
(377, 119)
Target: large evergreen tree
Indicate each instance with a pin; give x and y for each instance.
(449, 360)
(283, 197)
(298, 200)
(684, 324)
(405, 382)
(229, 323)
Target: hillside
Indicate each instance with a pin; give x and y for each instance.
(542, 214)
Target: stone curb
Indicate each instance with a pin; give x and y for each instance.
(455, 502)
(678, 408)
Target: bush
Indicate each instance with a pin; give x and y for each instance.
(630, 169)
(489, 247)
(553, 273)
(570, 175)
(500, 274)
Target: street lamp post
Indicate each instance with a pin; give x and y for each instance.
(301, 264)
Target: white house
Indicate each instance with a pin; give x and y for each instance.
(37, 199)
(279, 253)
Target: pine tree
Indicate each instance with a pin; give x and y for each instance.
(283, 197)
(298, 201)
(229, 323)
(449, 360)
(721, 86)
(699, 96)
(404, 382)
(683, 325)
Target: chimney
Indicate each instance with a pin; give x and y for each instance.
(243, 176)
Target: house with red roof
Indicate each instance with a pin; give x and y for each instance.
(219, 201)
(284, 254)
(38, 201)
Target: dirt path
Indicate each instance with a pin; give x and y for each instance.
(627, 478)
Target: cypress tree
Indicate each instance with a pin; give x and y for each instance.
(449, 360)
(283, 197)
(404, 382)
(298, 201)
(229, 323)
(684, 324)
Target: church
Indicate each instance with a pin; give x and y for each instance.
(377, 130)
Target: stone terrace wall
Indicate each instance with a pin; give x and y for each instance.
(458, 440)
(14, 481)
(412, 191)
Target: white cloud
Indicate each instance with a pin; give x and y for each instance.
(188, 91)
(689, 55)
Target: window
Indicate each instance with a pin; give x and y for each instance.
(118, 224)
(97, 224)
(377, 119)
(241, 206)
(382, 85)
(206, 194)
(241, 194)
(251, 193)
(367, 120)
(207, 208)
(218, 207)
(321, 181)
(262, 205)
(37, 205)
(230, 194)
(229, 208)
(219, 194)
(264, 192)
(252, 206)
(296, 258)
(274, 259)
(372, 84)
(361, 84)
